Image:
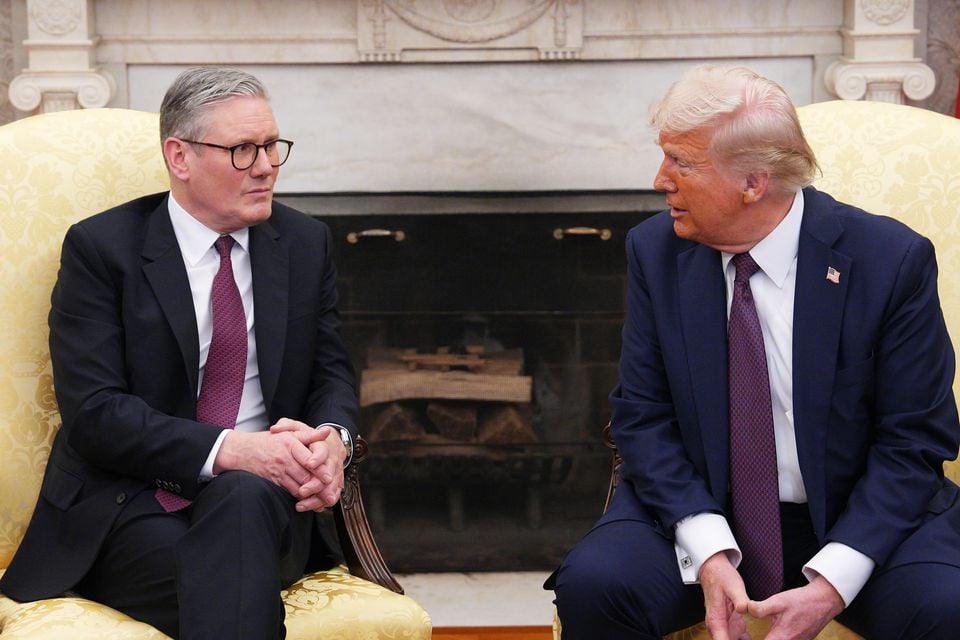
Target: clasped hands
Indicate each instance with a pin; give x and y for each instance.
(306, 461)
(796, 614)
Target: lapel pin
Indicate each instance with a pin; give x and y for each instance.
(833, 275)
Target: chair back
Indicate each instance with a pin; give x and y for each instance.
(899, 161)
(55, 169)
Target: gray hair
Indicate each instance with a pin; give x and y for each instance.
(756, 129)
(184, 108)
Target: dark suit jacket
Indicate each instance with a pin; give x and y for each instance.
(125, 351)
(873, 367)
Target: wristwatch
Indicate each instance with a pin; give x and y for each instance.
(345, 438)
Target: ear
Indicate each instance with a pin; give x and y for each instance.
(175, 153)
(755, 185)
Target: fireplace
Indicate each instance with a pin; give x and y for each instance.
(468, 472)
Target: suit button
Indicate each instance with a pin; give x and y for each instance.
(121, 498)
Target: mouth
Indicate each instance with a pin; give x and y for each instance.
(676, 212)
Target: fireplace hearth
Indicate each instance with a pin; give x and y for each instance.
(440, 294)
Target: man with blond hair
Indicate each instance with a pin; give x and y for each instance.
(785, 401)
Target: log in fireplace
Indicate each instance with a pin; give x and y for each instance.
(485, 329)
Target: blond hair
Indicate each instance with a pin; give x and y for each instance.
(756, 129)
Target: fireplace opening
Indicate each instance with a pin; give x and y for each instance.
(485, 331)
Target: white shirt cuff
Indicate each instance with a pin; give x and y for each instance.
(206, 473)
(845, 568)
(700, 536)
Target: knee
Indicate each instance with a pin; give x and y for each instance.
(248, 491)
(940, 612)
(593, 596)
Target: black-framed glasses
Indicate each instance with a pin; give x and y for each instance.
(243, 155)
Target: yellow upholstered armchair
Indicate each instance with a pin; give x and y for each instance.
(54, 170)
(894, 160)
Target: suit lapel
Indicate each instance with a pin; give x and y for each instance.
(703, 313)
(817, 320)
(164, 270)
(270, 266)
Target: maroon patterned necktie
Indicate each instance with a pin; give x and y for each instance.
(226, 366)
(755, 494)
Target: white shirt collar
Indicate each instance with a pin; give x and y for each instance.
(777, 251)
(195, 238)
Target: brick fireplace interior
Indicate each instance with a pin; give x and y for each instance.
(539, 275)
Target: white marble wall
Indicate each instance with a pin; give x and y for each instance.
(459, 95)
(501, 126)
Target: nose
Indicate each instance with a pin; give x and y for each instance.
(662, 182)
(261, 165)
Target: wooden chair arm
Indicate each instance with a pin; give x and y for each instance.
(614, 465)
(359, 548)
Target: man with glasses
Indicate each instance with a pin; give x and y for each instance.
(208, 403)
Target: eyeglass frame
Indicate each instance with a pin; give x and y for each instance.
(234, 148)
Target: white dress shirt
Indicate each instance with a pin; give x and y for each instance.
(701, 535)
(202, 262)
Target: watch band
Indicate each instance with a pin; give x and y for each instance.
(345, 437)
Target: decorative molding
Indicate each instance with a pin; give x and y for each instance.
(885, 12)
(61, 49)
(56, 17)
(470, 30)
(878, 61)
(881, 82)
(59, 91)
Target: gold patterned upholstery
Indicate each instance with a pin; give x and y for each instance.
(893, 160)
(54, 170)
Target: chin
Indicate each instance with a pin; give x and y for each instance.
(261, 211)
(682, 230)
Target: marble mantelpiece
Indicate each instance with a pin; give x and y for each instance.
(464, 95)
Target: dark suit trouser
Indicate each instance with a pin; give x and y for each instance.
(213, 570)
(622, 582)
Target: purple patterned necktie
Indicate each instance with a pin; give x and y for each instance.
(754, 490)
(226, 366)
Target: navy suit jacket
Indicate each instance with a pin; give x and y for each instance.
(125, 352)
(873, 368)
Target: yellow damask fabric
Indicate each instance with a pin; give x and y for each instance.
(56, 169)
(332, 605)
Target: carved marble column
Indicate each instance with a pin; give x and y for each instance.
(878, 61)
(61, 47)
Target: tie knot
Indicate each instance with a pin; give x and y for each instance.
(745, 266)
(223, 245)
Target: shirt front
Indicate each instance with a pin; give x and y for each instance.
(773, 287)
(201, 260)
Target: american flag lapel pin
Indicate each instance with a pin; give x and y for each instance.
(833, 275)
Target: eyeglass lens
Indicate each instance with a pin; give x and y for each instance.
(244, 155)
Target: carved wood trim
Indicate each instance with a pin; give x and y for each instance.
(360, 550)
(614, 465)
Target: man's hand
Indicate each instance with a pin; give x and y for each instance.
(323, 486)
(284, 455)
(799, 614)
(725, 599)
